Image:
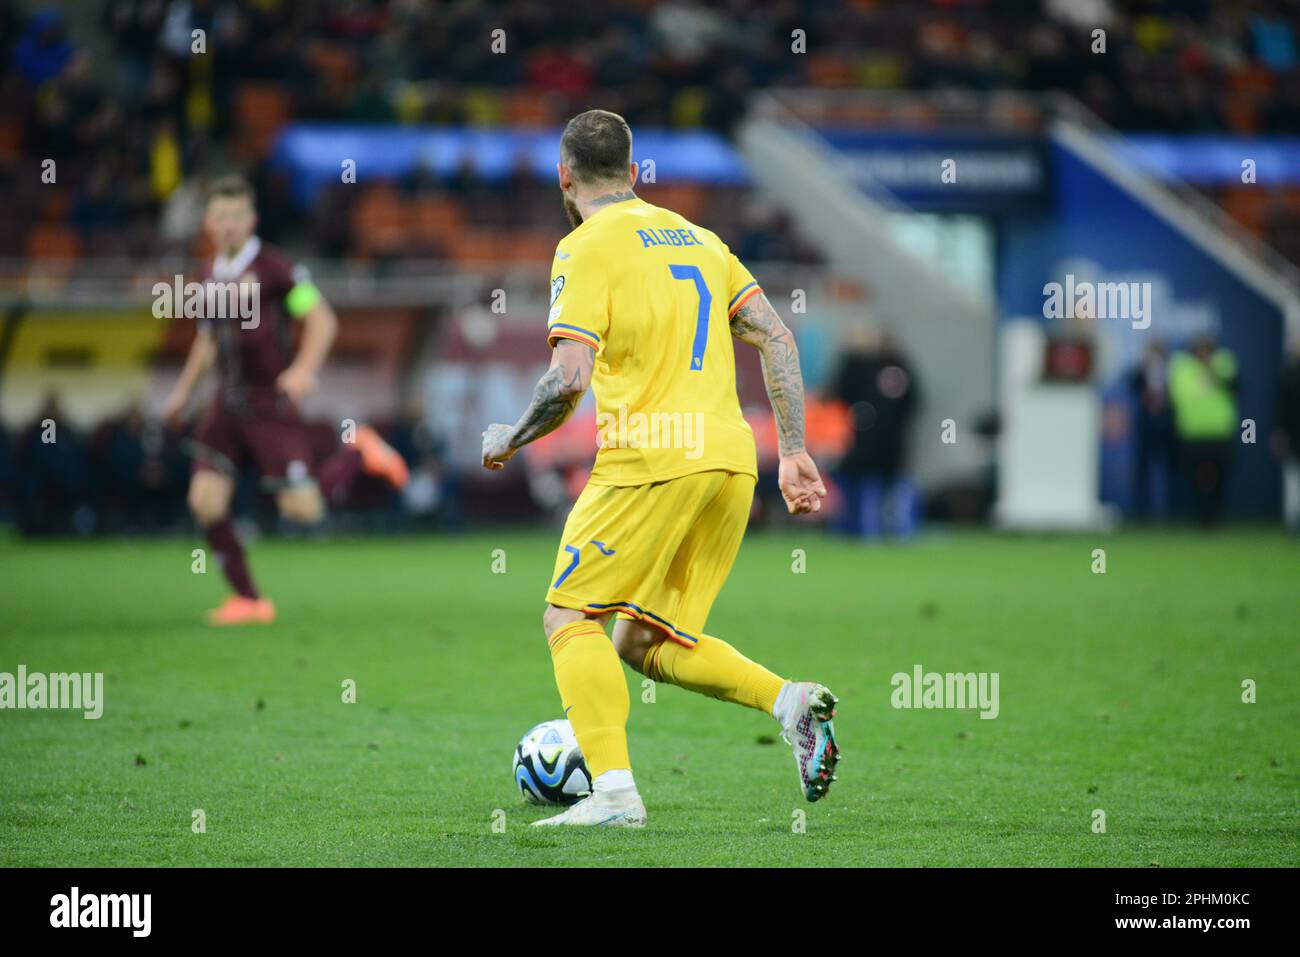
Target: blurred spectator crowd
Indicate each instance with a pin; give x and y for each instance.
(115, 95)
(130, 472)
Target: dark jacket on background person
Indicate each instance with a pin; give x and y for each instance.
(881, 390)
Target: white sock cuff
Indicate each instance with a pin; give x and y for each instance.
(618, 779)
(779, 706)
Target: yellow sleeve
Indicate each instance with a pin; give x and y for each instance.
(741, 285)
(579, 299)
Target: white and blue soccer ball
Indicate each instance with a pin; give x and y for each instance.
(549, 767)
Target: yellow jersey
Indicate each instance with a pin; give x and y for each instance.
(653, 294)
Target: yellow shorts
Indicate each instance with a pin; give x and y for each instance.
(658, 553)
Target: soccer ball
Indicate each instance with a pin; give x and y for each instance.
(549, 767)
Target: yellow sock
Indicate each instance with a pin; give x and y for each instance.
(716, 669)
(589, 674)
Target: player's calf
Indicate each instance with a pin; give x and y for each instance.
(209, 501)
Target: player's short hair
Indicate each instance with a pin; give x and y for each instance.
(232, 187)
(597, 147)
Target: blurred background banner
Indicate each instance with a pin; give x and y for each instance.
(907, 181)
(1211, 160)
(307, 152)
(998, 173)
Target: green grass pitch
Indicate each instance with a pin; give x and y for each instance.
(1119, 692)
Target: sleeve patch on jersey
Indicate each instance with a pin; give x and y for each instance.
(555, 314)
(557, 287)
(743, 297)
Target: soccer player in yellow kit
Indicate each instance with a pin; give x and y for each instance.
(643, 307)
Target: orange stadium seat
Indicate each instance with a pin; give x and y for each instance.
(1248, 206)
(381, 221)
(434, 217)
(1255, 80)
(53, 241)
(56, 204)
(533, 246)
(482, 245)
(11, 138)
(687, 199)
(829, 70)
(1291, 201)
(260, 110)
(528, 107)
(335, 61)
(1238, 112)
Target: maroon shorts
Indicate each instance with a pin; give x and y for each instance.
(269, 433)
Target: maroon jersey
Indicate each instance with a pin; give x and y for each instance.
(252, 326)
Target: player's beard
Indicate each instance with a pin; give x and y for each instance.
(571, 209)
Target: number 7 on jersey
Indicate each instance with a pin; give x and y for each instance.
(702, 315)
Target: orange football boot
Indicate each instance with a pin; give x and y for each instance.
(380, 458)
(238, 610)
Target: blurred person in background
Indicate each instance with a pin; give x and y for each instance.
(181, 216)
(1154, 434)
(51, 475)
(1287, 438)
(878, 384)
(118, 450)
(1203, 393)
(433, 495)
(254, 417)
(140, 473)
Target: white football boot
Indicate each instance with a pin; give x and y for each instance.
(621, 808)
(805, 710)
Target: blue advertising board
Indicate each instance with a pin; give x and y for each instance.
(932, 171)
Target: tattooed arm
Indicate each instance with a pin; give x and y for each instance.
(557, 394)
(757, 323)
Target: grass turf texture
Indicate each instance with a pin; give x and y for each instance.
(1120, 692)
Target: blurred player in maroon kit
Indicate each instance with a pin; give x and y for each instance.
(254, 414)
